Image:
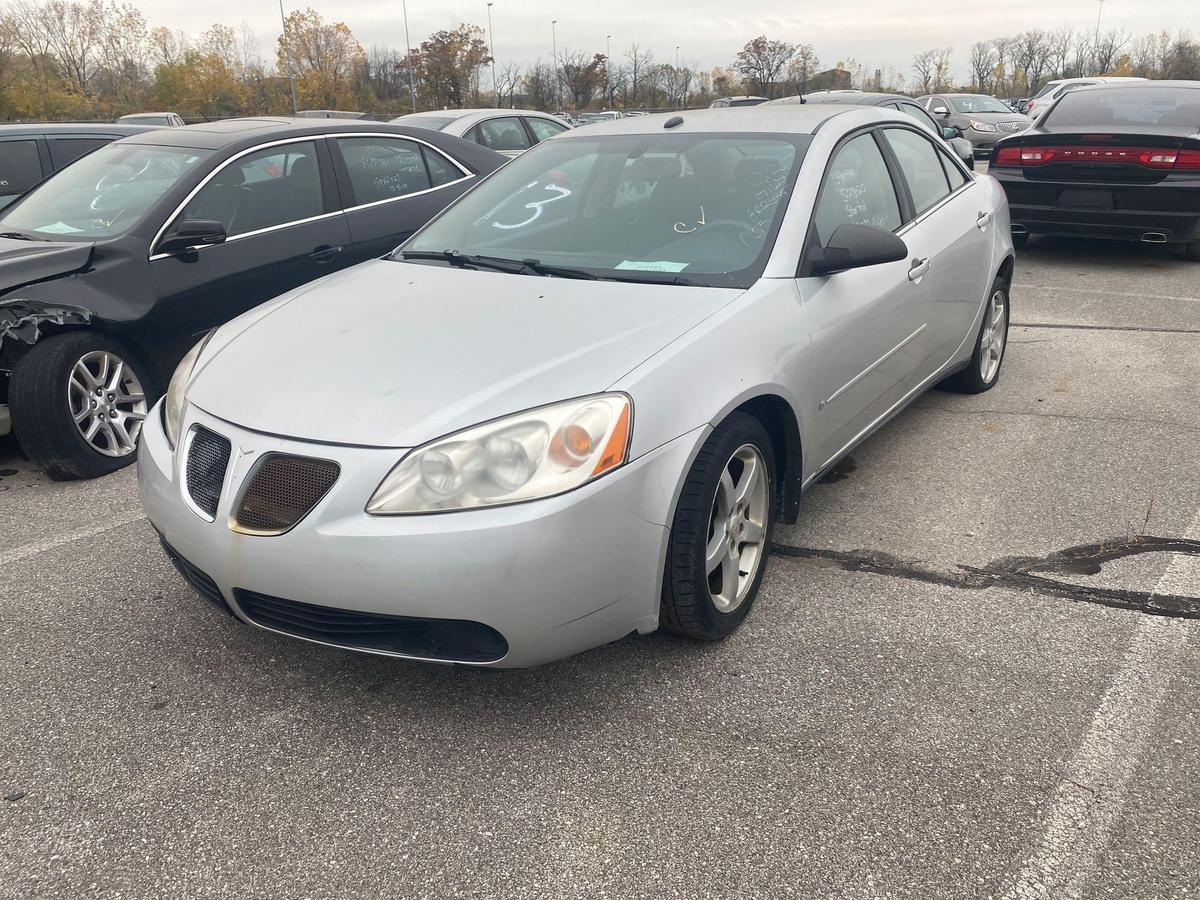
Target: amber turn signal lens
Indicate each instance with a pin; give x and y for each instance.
(614, 450)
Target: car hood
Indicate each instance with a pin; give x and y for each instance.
(393, 354)
(24, 262)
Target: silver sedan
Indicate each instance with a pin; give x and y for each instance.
(573, 406)
(506, 131)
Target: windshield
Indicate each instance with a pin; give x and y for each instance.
(1098, 107)
(148, 120)
(430, 123)
(103, 194)
(1053, 85)
(979, 104)
(704, 207)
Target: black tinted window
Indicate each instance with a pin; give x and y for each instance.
(1127, 106)
(441, 170)
(19, 166)
(383, 167)
(64, 151)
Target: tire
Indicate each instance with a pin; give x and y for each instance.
(689, 607)
(1020, 240)
(1191, 250)
(976, 378)
(46, 388)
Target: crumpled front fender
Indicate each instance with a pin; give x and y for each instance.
(21, 320)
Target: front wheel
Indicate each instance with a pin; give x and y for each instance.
(78, 401)
(721, 534)
(983, 371)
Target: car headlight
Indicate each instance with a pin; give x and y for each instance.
(527, 456)
(983, 126)
(177, 390)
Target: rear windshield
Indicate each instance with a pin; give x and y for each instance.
(1097, 107)
(430, 123)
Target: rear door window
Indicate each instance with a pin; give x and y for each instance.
(505, 134)
(20, 167)
(544, 128)
(64, 151)
(921, 166)
(383, 168)
(441, 170)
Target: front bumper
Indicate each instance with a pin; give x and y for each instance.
(553, 577)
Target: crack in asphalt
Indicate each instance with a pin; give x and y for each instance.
(1075, 327)
(1030, 572)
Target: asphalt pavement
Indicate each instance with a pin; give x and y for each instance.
(971, 672)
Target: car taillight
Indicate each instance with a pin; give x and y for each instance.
(1150, 157)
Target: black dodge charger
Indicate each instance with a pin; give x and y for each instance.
(112, 267)
(1118, 160)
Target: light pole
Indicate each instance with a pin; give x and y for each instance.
(492, 53)
(554, 64)
(608, 85)
(287, 48)
(676, 80)
(408, 60)
(1096, 42)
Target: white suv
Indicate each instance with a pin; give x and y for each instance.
(1052, 90)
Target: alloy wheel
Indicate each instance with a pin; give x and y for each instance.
(107, 402)
(991, 342)
(737, 530)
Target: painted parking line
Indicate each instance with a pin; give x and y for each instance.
(1091, 794)
(1102, 292)
(25, 551)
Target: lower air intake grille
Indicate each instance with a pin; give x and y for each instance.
(456, 640)
(208, 455)
(283, 490)
(200, 581)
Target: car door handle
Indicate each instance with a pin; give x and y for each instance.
(323, 255)
(982, 222)
(919, 268)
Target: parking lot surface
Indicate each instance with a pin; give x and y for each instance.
(971, 672)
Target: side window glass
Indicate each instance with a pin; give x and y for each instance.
(262, 189)
(64, 151)
(921, 116)
(440, 169)
(922, 169)
(383, 167)
(858, 190)
(503, 134)
(20, 168)
(544, 128)
(953, 173)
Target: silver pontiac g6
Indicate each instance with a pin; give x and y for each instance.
(573, 406)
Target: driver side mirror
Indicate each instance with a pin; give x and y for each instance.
(950, 132)
(853, 247)
(941, 111)
(192, 233)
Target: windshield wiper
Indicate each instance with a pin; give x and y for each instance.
(498, 263)
(17, 236)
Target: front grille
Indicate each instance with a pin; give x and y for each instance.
(208, 455)
(282, 490)
(455, 640)
(1012, 126)
(200, 581)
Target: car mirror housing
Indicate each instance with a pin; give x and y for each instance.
(854, 247)
(941, 111)
(192, 233)
(950, 132)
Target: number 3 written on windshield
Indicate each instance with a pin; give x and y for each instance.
(536, 206)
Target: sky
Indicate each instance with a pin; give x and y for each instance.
(878, 33)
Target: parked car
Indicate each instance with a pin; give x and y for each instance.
(951, 135)
(332, 114)
(506, 131)
(748, 100)
(1109, 161)
(590, 117)
(109, 268)
(981, 119)
(31, 153)
(157, 119)
(581, 420)
(1052, 90)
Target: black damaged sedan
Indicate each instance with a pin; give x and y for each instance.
(111, 269)
(1118, 161)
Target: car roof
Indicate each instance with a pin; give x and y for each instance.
(797, 119)
(1139, 85)
(83, 128)
(862, 98)
(253, 131)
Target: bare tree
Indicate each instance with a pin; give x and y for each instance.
(761, 61)
(983, 62)
(1107, 51)
(924, 66)
(802, 67)
(640, 63)
(508, 78)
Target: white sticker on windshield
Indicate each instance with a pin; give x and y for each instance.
(657, 265)
(59, 228)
